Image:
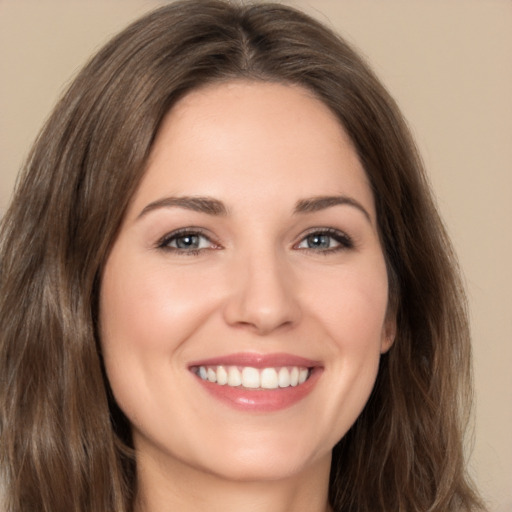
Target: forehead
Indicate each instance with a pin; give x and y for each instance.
(253, 140)
(255, 106)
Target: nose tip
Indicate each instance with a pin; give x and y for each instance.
(263, 299)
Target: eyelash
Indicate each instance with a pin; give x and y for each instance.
(342, 239)
(164, 242)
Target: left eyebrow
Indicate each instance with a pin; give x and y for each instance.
(315, 204)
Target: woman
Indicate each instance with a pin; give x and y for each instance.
(224, 284)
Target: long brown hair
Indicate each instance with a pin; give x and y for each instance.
(64, 445)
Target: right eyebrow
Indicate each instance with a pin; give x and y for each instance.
(200, 204)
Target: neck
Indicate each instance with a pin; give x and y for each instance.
(189, 489)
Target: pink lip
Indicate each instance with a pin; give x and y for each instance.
(257, 360)
(257, 400)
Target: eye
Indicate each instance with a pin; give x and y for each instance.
(186, 241)
(325, 240)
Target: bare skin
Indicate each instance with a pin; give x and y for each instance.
(192, 491)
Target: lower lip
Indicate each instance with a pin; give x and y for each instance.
(259, 400)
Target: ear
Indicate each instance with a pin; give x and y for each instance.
(388, 334)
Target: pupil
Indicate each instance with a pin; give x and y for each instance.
(318, 241)
(187, 242)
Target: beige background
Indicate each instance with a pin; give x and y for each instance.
(448, 63)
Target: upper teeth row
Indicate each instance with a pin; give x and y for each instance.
(248, 377)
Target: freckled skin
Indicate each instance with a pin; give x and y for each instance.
(254, 286)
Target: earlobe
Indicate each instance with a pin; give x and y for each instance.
(388, 335)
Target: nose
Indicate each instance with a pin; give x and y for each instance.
(263, 296)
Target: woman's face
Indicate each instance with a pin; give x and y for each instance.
(243, 304)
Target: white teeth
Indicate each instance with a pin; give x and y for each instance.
(222, 376)
(294, 376)
(234, 377)
(211, 375)
(269, 379)
(250, 378)
(253, 378)
(284, 378)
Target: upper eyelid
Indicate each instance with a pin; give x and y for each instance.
(162, 241)
(325, 231)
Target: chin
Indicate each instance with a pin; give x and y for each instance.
(265, 461)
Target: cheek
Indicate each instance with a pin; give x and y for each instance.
(148, 308)
(352, 310)
(352, 307)
(147, 314)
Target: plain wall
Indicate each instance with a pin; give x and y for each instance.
(449, 65)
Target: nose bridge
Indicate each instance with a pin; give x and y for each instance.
(263, 286)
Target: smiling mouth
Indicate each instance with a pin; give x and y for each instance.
(251, 378)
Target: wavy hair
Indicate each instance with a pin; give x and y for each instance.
(64, 444)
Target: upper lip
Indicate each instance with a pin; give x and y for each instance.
(255, 360)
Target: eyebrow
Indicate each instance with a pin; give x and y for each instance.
(315, 204)
(206, 205)
(211, 206)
